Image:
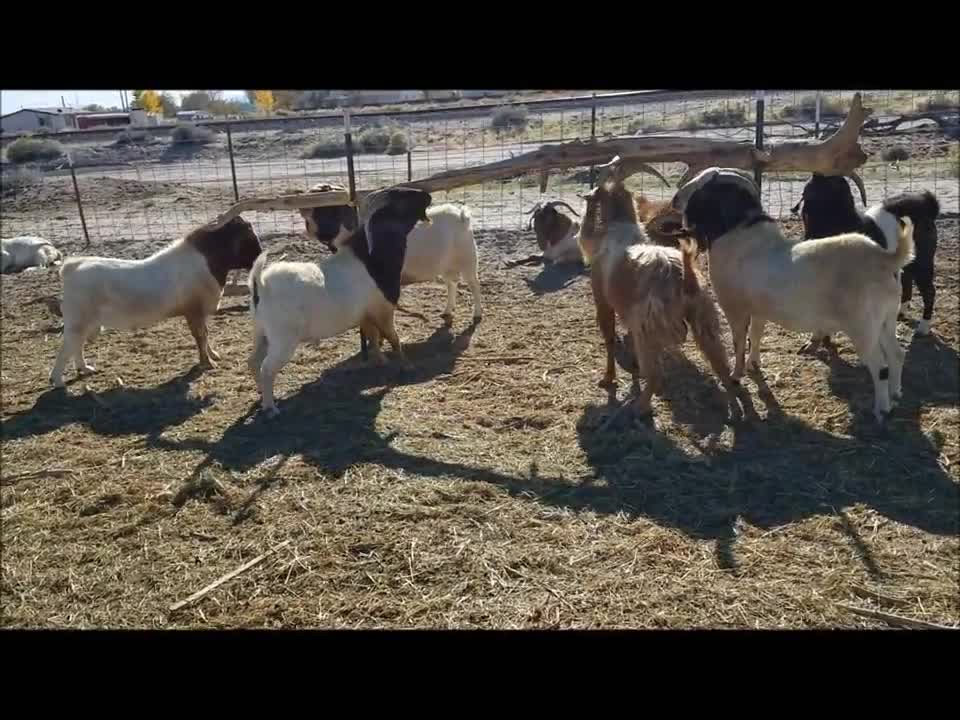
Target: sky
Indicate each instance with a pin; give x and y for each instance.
(11, 100)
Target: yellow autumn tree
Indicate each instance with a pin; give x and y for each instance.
(264, 100)
(150, 101)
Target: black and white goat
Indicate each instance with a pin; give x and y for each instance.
(359, 286)
(184, 279)
(843, 283)
(828, 209)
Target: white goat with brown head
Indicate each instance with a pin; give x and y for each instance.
(655, 290)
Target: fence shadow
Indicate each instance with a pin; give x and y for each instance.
(119, 411)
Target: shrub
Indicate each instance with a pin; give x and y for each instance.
(375, 140)
(326, 149)
(131, 136)
(938, 101)
(729, 115)
(897, 153)
(806, 109)
(13, 180)
(509, 118)
(183, 134)
(28, 149)
(398, 144)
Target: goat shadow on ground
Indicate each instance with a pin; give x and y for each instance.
(125, 411)
(554, 277)
(777, 472)
(931, 377)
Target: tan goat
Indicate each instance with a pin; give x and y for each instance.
(655, 290)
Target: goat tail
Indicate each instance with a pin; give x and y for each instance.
(255, 280)
(703, 318)
(691, 281)
(905, 247)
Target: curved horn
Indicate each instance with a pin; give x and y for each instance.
(554, 203)
(532, 210)
(610, 170)
(650, 170)
(859, 183)
(728, 175)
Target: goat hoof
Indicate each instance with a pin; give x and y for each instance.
(207, 365)
(923, 327)
(607, 383)
(271, 412)
(447, 318)
(86, 370)
(57, 383)
(477, 319)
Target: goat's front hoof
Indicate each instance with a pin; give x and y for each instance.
(207, 364)
(477, 318)
(753, 367)
(608, 383)
(923, 327)
(57, 383)
(901, 317)
(270, 411)
(447, 318)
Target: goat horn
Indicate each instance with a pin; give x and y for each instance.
(649, 169)
(859, 183)
(710, 174)
(534, 209)
(561, 202)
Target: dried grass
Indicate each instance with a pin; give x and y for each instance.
(472, 494)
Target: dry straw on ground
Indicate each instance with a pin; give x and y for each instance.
(476, 490)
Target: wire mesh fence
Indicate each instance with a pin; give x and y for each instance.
(157, 184)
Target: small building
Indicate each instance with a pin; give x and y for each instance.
(28, 120)
(193, 115)
(112, 119)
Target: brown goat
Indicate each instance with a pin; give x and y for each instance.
(656, 291)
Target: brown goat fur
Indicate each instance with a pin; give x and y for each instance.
(655, 291)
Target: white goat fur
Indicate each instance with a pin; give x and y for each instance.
(444, 250)
(845, 283)
(123, 294)
(26, 251)
(305, 302)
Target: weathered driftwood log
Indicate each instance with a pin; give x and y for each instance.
(841, 154)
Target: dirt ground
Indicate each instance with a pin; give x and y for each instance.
(476, 490)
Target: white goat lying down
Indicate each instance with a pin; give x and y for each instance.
(443, 248)
(184, 279)
(296, 302)
(845, 283)
(26, 251)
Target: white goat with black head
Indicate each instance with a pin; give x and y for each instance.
(359, 286)
(845, 283)
(442, 247)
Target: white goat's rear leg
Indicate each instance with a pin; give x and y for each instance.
(72, 347)
(873, 357)
(257, 355)
(277, 356)
(738, 328)
(451, 282)
(895, 355)
(756, 336)
(474, 282)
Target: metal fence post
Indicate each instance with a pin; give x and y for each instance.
(352, 182)
(233, 167)
(409, 166)
(593, 134)
(758, 173)
(76, 193)
(816, 121)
